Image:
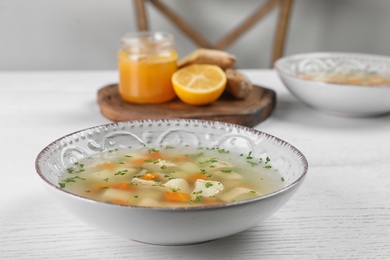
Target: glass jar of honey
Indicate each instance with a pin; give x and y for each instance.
(146, 63)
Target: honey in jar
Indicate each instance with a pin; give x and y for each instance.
(146, 63)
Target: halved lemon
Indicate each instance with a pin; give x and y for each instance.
(199, 84)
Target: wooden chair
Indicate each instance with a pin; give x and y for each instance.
(284, 6)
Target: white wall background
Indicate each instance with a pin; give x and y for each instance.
(84, 34)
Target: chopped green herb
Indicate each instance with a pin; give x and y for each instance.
(282, 179)
(226, 170)
(106, 179)
(202, 171)
(69, 180)
(208, 184)
(212, 160)
(249, 155)
(152, 150)
(198, 154)
(268, 166)
(122, 172)
(169, 147)
(252, 163)
(223, 151)
(136, 196)
(70, 170)
(198, 198)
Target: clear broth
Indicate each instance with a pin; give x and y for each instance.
(171, 176)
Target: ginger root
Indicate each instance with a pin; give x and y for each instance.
(208, 56)
(238, 85)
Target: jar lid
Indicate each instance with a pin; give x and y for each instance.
(146, 41)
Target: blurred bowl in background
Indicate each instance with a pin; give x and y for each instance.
(347, 84)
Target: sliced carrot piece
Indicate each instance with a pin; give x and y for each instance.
(155, 155)
(211, 201)
(100, 186)
(177, 196)
(107, 165)
(122, 186)
(183, 158)
(194, 177)
(150, 176)
(139, 161)
(119, 201)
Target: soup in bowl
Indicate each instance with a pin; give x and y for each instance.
(344, 84)
(171, 182)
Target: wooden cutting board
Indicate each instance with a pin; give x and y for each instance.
(251, 111)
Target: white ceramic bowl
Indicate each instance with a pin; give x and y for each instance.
(171, 226)
(340, 99)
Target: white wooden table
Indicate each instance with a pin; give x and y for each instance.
(342, 210)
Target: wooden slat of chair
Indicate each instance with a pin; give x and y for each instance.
(262, 11)
(285, 7)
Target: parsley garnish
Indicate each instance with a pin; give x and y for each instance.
(249, 155)
(252, 163)
(212, 160)
(70, 170)
(122, 172)
(69, 180)
(152, 150)
(208, 184)
(79, 168)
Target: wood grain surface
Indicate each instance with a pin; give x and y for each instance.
(341, 211)
(251, 111)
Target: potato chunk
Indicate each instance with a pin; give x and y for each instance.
(206, 188)
(177, 184)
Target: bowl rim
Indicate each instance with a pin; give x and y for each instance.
(300, 155)
(372, 57)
